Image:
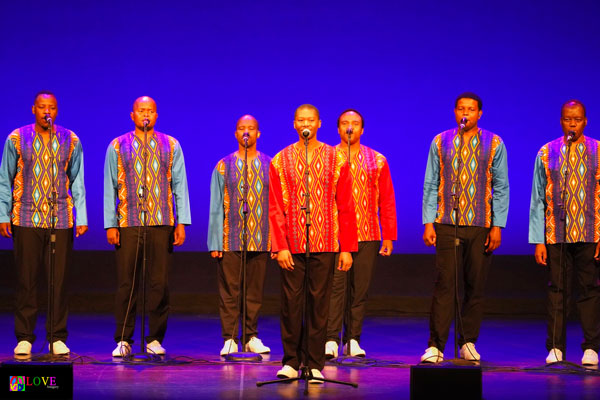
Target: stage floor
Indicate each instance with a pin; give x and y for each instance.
(513, 362)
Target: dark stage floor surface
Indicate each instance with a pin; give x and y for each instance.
(512, 350)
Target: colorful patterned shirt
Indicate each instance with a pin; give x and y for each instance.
(373, 194)
(478, 176)
(332, 215)
(581, 210)
(226, 220)
(165, 179)
(26, 179)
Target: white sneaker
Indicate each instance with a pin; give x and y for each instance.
(355, 350)
(23, 348)
(154, 347)
(331, 350)
(554, 356)
(468, 352)
(123, 349)
(316, 374)
(59, 348)
(255, 345)
(287, 372)
(432, 355)
(230, 346)
(590, 357)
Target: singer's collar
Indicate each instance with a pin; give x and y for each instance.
(467, 135)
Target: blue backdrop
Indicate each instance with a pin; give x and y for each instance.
(207, 63)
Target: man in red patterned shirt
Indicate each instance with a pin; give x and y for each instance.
(332, 230)
(373, 194)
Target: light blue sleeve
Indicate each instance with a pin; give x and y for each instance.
(179, 185)
(8, 170)
(501, 192)
(110, 188)
(76, 177)
(537, 207)
(217, 212)
(431, 185)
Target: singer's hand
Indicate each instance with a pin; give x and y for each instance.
(179, 235)
(386, 248)
(541, 256)
(216, 254)
(345, 261)
(597, 253)
(429, 236)
(492, 242)
(285, 260)
(5, 229)
(80, 230)
(113, 236)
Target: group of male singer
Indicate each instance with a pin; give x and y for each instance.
(342, 196)
(339, 196)
(465, 205)
(42, 194)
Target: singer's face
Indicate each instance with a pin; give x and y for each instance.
(307, 118)
(573, 119)
(45, 104)
(352, 120)
(247, 124)
(144, 108)
(470, 109)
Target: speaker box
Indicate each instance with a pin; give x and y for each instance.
(427, 381)
(36, 380)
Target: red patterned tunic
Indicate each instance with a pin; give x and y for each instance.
(373, 194)
(333, 219)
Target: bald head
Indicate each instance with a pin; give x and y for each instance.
(246, 120)
(246, 129)
(572, 103)
(145, 100)
(144, 113)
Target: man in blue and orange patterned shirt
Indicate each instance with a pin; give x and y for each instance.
(466, 194)
(225, 235)
(375, 204)
(564, 225)
(26, 190)
(167, 212)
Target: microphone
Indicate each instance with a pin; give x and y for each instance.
(349, 131)
(306, 132)
(48, 119)
(246, 135)
(146, 122)
(463, 123)
(570, 136)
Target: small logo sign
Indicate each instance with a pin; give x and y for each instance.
(17, 383)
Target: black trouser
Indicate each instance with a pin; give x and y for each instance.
(31, 251)
(475, 263)
(578, 256)
(159, 250)
(360, 279)
(320, 274)
(230, 291)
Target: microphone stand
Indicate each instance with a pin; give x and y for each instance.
(244, 355)
(306, 373)
(455, 209)
(563, 246)
(143, 355)
(347, 330)
(52, 202)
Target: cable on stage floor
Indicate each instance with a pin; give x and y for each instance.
(563, 367)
